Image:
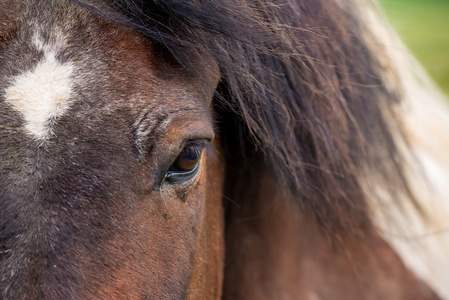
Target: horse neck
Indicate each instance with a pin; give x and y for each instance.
(275, 252)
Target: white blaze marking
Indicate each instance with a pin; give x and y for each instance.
(41, 95)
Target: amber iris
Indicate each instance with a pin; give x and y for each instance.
(187, 159)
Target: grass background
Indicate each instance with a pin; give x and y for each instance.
(423, 25)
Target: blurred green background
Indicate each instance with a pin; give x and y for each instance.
(423, 25)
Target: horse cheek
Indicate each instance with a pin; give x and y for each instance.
(207, 276)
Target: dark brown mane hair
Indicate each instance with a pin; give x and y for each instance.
(301, 92)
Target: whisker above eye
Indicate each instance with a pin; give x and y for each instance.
(221, 194)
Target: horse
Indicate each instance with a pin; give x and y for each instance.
(238, 149)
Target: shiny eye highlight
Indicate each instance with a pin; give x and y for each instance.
(186, 165)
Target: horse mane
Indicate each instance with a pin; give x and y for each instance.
(301, 92)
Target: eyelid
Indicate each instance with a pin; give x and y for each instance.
(197, 145)
(173, 176)
(200, 145)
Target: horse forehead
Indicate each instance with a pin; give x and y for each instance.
(65, 65)
(42, 93)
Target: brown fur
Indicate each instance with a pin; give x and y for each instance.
(82, 214)
(294, 93)
(276, 252)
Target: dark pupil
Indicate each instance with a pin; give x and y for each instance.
(187, 160)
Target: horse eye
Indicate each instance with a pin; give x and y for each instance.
(186, 165)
